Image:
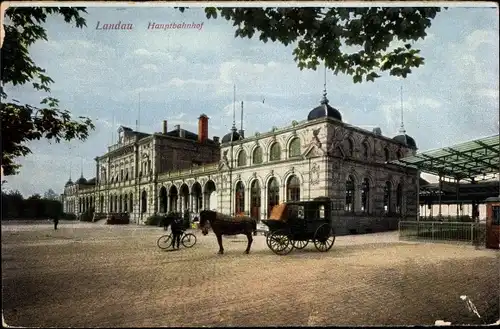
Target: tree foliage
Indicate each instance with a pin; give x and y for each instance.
(321, 32)
(50, 195)
(14, 206)
(22, 123)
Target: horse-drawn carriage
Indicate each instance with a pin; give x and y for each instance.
(295, 224)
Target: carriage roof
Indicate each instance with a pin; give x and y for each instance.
(290, 210)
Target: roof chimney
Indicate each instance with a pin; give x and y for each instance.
(202, 128)
(377, 131)
(165, 127)
(216, 139)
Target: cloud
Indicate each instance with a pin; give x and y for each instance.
(150, 67)
(479, 37)
(490, 93)
(160, 56)
(429, 102)
(181, 83)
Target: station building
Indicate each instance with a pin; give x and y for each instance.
(178, 170)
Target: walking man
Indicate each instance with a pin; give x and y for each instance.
(56, 221)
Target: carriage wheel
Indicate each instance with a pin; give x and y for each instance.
(300, 244)
(188, 240)
(164, 241)
(324, 238)
(279, 243)
(268, 235)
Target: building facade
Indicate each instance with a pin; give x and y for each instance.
(146, 174)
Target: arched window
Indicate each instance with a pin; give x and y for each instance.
(294, 149)
(125, 203)
(293, 189)
(144, 202)
(242, 158)
(349, 194)
(120, 203)
(275, 152)
(386, 154)
(240, 198)
(400, 155)
(387, 197)
(365, 151)
(399, 199)
(255, 199)
(273, 195)
(350, 146)
(365, 196)
(257, 155)
(131, 203)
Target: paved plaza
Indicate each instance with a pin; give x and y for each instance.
(95, 275)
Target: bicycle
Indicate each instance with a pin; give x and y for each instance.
(187, 239)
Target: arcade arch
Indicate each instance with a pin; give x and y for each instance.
(184, 194)
(173, 197)
(210, 195)
(197, 197)
(163, 200)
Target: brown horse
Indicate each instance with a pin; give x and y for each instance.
(226, 225)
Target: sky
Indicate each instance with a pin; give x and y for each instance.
(177, 74)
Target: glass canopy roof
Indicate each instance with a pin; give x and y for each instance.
(463, 161)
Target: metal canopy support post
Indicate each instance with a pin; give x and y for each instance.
(475, 212)
(440, 192)
(458, 194)
(418, 195)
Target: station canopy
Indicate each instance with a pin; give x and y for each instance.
(467, 160)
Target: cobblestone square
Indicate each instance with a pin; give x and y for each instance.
(97, 275)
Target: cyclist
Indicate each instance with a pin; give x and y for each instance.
(177, 230)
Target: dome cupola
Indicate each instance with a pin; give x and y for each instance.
(324, 110)
(81, 180)
(406, 140)
(233, 136)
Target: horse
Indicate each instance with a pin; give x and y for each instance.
(226, 225)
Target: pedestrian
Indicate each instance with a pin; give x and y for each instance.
(56, 221)
(187, 219)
